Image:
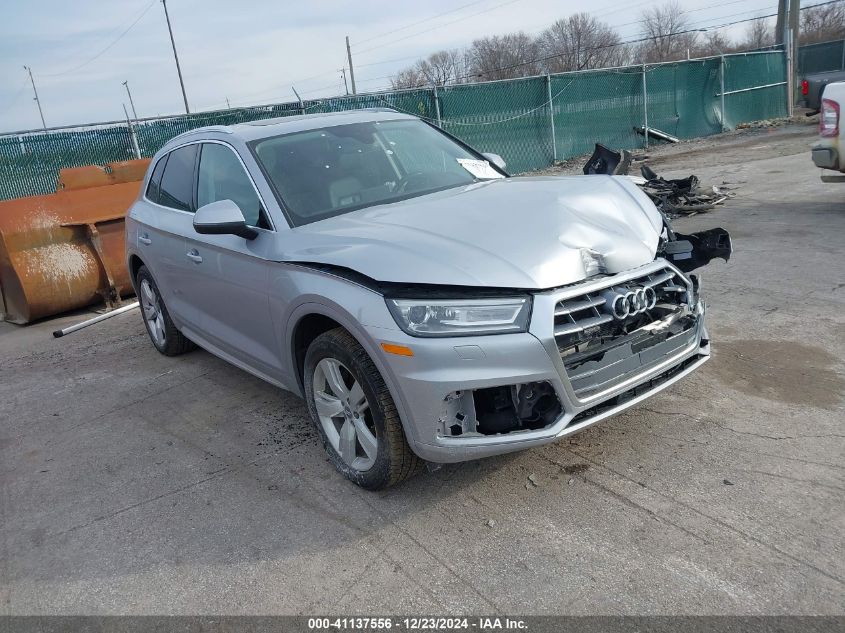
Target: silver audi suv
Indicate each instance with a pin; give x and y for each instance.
(425, 304)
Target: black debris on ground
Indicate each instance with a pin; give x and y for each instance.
(674, 197)
(682, 196)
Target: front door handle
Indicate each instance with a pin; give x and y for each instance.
(194, 256)
(146, 241)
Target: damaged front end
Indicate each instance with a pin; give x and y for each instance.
(615, 339)
(619, 338)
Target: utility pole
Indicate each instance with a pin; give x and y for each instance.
(227, 104)
(346, 85)
(795, 28)
(176, 56)
(133, 139)
(132, 103)
(780, 26)
(298, 98)
(37, 100)
(351, 71)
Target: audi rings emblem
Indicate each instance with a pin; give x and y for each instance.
(632, 301)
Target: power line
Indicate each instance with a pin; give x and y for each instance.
(388, 61)
(277, 86)
(112, 43)
(408, 26)
(713, 6)
(439, 26)
(14, 99)
(732, 15)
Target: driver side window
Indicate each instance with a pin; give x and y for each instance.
(222, 177)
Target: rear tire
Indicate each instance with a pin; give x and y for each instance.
(354, 413)
(164, 335)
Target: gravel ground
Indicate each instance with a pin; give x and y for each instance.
(136, 483)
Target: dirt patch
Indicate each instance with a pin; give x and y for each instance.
(782, 371)
(576, 469)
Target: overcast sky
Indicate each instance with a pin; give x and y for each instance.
(253, 51)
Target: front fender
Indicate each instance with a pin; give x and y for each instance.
(361, 311)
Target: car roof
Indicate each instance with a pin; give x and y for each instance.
(264, 128)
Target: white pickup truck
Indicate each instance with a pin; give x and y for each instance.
(829, 151)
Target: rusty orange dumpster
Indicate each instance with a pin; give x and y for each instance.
(65, 250)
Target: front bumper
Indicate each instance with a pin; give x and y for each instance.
(441, 367)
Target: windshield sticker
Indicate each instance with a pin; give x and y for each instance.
(479, 168)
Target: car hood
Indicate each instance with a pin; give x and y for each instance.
(527, 232)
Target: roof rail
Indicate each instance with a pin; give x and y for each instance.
(223, 129)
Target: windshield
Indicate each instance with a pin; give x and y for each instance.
(333, 170)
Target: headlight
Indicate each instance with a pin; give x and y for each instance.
(461, 317)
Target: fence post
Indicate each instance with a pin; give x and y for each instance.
(790, 72)
(551, 117)
(437, 106)
(722, 91)
(645, 108)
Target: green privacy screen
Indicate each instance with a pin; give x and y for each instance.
(754, 87)
(530, 122)
(822, 57)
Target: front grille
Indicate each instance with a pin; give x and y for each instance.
(601, 342)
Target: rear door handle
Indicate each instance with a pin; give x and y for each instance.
(194, 256)
(146, 241)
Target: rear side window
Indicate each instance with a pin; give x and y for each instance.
(155, 179)
(176, 189)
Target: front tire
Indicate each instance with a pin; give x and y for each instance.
(164, 335)
(355, 414)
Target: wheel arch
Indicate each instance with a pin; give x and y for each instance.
(312, 319)
(134, 264)
(309, 327)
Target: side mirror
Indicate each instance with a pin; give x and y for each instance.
(497, 160)
(223, 217)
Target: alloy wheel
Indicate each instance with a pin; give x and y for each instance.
(345, 414)
(153, 314)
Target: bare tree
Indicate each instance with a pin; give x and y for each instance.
(758, 35)
(714, 44)
(668, 33)
(408, 78)
(443, 67)
(440, 68)
(503, 57)
(580, 42)
(823, 23)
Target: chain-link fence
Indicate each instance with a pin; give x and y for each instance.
(531, 122)
(821, 57)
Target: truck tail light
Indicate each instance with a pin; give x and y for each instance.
(829, 118)
(805, 87)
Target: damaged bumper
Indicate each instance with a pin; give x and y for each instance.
(578, 364)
